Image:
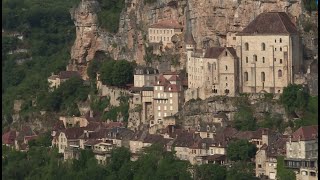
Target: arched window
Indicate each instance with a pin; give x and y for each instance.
(255, 58)
(226, 67)
(263, 77)
(280, 61)
(247, 59)
(280, 49)
(226, 84)
(279, 73)
(263, 60)
(246, 76)
(246, 46)
(263, 46)
(280, 40)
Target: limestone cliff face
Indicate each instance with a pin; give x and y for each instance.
(207, 19)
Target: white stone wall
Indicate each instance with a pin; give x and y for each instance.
(279, 54)
(155, 35)
(112, 92)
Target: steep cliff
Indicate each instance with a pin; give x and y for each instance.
(206, 19)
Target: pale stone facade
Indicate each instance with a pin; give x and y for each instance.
(212, 72)
(167, 97)
(269, 57)
(163, 31)
(145, 76)
(56, 80)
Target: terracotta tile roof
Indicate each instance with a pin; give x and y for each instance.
(120, 133)
(167, 24)
(96, 116)
(139, 136)
(277, 147)
(74, 132)
(305, 133)
(270, 23)
(174, 78)
(9, 137)
(68, 74)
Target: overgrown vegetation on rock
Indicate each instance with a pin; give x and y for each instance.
(109, 16)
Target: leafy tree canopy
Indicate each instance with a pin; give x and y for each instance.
(241, 150)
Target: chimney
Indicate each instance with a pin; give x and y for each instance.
(91, 113)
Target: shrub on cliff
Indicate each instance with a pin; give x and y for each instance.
(109, 16)
(116, 73)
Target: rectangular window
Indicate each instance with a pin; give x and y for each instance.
(158, 95)
(171, 108)
(165, 115)
(160, 88)
(159, 108)
(170, 101)
(159, 114)
(156, 88)
(170, 94)
(165, 108)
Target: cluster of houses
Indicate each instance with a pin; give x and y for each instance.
(206, 143)
(263, 58)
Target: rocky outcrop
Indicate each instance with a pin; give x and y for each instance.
(196, 111)
(207, 19)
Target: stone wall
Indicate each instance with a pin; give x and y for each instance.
(113, 92)
(196, 111)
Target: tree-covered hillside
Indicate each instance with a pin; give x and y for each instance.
(48, 34)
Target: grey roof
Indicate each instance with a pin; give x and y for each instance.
(270, 23)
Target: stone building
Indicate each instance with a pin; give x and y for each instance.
(302, 152)
(56, 80)
(270, 53)
(211, 72)
(145, 76)
(167, 97)
(162, 32)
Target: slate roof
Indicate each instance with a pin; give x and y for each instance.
(305, 133)
(68, 74)
(153, 138)
(172, 88)
(189, 39)
(215, 52)
(167, 24)
(140, 70)
(74, 132)
(186, 139)
(270, 23)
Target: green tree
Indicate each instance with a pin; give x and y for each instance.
(106, 72)
(294, 97)
(211, 171)
(244, 120)
(93, 68)
(282, 172)
(241, 150)
(241, 171)
(122, 73)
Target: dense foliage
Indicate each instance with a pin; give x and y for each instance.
(282, 172)
(294, 97)
(109, 16)
(241, 171)
(241, 150)
(244, 119)
(117, 73)
(310, 5)
(48, 35)
(64, 98)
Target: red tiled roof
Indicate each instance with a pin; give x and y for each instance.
(270, 23)
(9, 137)
(174, 78)
(167, 24)
(305, 133)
